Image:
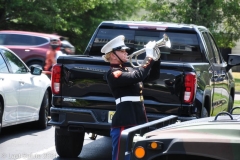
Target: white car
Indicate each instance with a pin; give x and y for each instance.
(25, 94)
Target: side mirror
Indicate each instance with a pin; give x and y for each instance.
(35, 70)
(233, 60)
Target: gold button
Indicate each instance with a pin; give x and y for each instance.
(141, 91)
(140, 86)
(147, 62)
(141, 98)
(144, 65)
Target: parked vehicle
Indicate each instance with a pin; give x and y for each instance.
(31, 47)
(191, 80)
(211, 138)
(25, 94)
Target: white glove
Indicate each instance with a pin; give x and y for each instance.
(150, 49)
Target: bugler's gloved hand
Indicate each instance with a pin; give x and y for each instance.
(150, 51)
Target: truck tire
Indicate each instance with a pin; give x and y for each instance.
(68, 144)
(204, 112)
(43, 113)
(230, 103)
(1, 114)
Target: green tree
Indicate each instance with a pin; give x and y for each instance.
(221, 17)
(75, 19)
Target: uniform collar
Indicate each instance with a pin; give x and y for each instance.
(117, 66)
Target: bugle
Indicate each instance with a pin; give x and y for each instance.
(164, 42)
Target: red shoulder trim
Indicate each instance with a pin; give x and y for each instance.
(116, 74)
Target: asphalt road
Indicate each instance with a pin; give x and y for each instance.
(23, 142)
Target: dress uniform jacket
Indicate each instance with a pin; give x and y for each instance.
(126, 86)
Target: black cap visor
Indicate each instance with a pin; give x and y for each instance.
(120, 48)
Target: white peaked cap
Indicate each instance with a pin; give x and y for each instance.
(116, 43)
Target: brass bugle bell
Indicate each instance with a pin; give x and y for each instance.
(164, 42)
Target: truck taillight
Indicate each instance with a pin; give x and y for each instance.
(56, 79)
(190, 87)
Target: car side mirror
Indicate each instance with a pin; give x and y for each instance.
(233, 60)
(35, 70)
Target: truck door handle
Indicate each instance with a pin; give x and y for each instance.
(1, 79)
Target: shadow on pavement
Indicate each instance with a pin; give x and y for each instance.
(100, 149)
(19, 130)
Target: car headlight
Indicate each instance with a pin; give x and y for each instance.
(155, 145)
(139, 152)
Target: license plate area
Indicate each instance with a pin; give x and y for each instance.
(110, 115)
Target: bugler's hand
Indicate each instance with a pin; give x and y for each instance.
(150, 44)
(152, 50)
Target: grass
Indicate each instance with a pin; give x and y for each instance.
(236, 76)
(236, 104)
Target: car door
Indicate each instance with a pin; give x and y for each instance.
(216, 69)
(28, 94)
(223, 76)
(8, 90)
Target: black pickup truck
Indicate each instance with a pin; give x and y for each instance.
(191, 80)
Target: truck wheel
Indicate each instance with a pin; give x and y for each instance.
(230, 103)
(204, 112)
(43, 113)
(1, 114)
(68, 144)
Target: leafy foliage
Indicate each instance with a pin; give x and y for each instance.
(75, 19)
(220, 16)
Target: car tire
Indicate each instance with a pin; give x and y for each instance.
(204, 112)
(230, 103)
(1, 114)
(68, 144)
(43, 113)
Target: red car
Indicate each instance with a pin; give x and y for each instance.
(31, 47)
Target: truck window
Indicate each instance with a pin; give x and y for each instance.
(210, 49)
(105, 35)
(142, 37)
(215, 49)
(185, 46)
